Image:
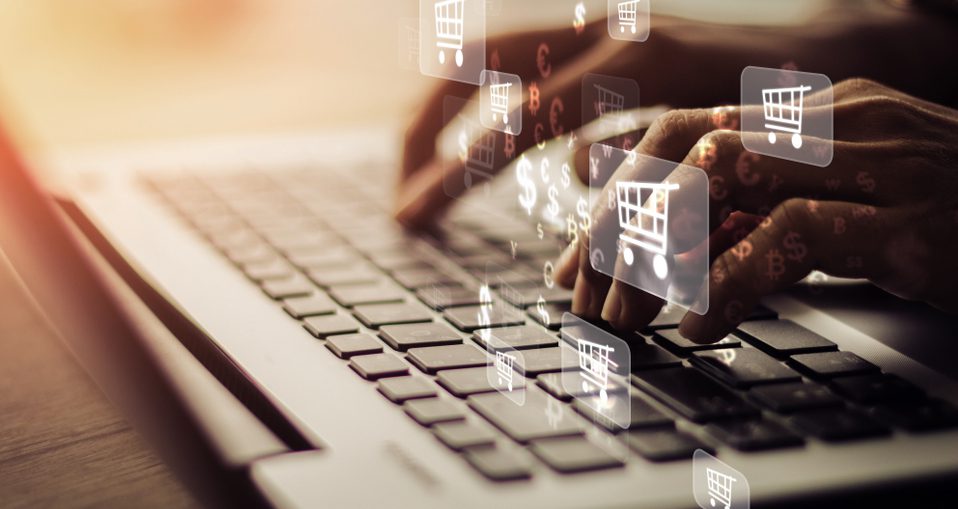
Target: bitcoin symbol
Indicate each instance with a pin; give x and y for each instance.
(544, 170)
(553, 203)
(582, 209)
(579, 22)
(527, 197)
(556, 109)
(865, 182)
(534, 98)
(545, 68)
(776, 264)
(540, 138)
(796, 248)
(566, 170)
(494, 62)
(717, 187)
(510, 148)
(840, 227)
(463, 147)
(572, 230)
(742, 250)
(547, 271)
(743, 168)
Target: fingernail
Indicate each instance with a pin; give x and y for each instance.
(613, 305)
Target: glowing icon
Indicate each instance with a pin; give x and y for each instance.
(449, 28)
(719, 487)
(783, 112)
(608, 102)
(504, 363)
(594, 362)
(499, 101)
(479, 158)
(628, 15)
(648, 205)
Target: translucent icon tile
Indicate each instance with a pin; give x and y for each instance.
(500, 100)
(612, 100)
(650, 224)
(596, 369)
(503, 376)
(630, 20)
(407, 44)
(788, 114)
(470, 152)
(717, 485)
(452, 39)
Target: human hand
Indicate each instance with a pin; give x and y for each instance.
(886, 209)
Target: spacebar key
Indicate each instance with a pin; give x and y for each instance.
(693, 394)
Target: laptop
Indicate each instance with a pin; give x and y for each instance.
(307, 351)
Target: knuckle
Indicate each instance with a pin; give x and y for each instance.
(793, 214)
(859, 85)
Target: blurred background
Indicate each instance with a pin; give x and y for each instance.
(81, 72)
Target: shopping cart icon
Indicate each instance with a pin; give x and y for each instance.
(594, 362)
(648, 205)
(783, 112)
(719, 487)
(504, 364)
(628, 14)
(480, 159)
(499, 101)
(608, 101)
(449, 28)
(412, 44)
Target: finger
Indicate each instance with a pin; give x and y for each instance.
(799, 236)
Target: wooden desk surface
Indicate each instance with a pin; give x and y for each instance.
(62, 444)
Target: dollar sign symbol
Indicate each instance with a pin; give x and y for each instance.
(865, 182)
(585, 219)
(556, 109)
(566, 180)
(579, 22)
(547, 271)
(541, 309)
(796, 248)
(743, 169)
(463, 147)
(510, 146)
(776, 264)
(527, 197)
(545, 68)
(553, 203)
(742, 250)
(539, 233)
(534, 98)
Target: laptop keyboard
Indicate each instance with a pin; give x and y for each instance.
(403, 312)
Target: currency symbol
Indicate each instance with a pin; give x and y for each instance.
(708, 153)
(813, 206)
(463, 147)
(495, 63)
(718, 274)
(547, 271)
(815, 280)
(855, 262)
(743, 168)
(572, 230)
(541, 309)
(775, 183)
(553, 203)
(582, 209)
(717, 187)
(611, 200)
(545, 68)
(596, 258)
(776, 264)
(539, 233)
(796, 248)
(788, 79)
(607, 150)
(594, 168)
(742, 250)
(510, 148)
(579, 22)
(544, 170)
(515, 248)
(865, 182)
(534, 98)
(540, 138)
(734, 313)
(864, 210)
(566, 170)
(832, 184)
(839, 225)
(556, 109)
(722, 118)
(527, 197)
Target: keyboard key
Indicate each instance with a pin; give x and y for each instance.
(516, 338)
(527, 422)
(671, 339)
(464, 435)
(648, 356)
(440, 298)
(296, 286)
(339, 276)
(313, 305)
(378, 365)
(664, 444)
(331, 256)
(468, 318)
(533, 363)
(437, 358)
(693, 394)
(782, 338)
(498, 465)
(354, 295)
(566, 385)
(754, 435)
(276, 268)
(787, 398)
(375, 316)
(398, 260)
(251, 254)
(573, 454)
(744, 367)
(421, 278)
(406, 336)
(874, 389)
(522, 297)
(323, 327)
(835, 425)
(919, 416)
(550, 315)
(671, 316)
(403, 388)
(433, 410)
(642, 413)
(832, 364)
(468, 381)
(348, 345)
